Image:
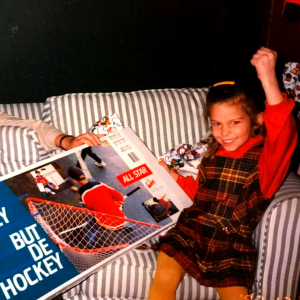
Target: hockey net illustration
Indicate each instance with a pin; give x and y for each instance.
(80, 237)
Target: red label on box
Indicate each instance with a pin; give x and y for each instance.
(134, 175)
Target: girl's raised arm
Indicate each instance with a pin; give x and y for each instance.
(281, 137)
(264, 61)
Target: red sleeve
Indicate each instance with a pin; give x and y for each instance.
(117, 196)
(39, 180)
(280, 143)
(44, 178)
(189, 185)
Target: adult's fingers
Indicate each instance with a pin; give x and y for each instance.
(87, 138)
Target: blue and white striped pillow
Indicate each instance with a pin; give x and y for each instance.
(23, 110)
(130, 277)
(19, 147)
(161, 118)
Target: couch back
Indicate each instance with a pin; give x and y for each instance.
(161, 118)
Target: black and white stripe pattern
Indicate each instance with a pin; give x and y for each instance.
(164, 118)
(19, 147)
(130, 277)
(161, 118)
(278, 238)
(24, 110)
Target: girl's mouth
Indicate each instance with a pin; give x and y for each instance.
(229, 141)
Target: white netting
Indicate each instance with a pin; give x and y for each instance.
(79, 235)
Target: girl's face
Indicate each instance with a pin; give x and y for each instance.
(231, 126)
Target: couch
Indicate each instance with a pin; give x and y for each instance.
(162, 118)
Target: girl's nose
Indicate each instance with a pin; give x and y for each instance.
(225, 130)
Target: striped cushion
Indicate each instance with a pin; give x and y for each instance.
(278, 239)
(130, 277)
(161, 118)
(19, 147)
(24, 110)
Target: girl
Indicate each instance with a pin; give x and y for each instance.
(236, 181)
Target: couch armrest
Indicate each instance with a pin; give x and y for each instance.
(277, 238)
(24, 110)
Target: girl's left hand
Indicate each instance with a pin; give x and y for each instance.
(264, 60)
(172, 172)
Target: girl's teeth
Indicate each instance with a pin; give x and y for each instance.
(229, 141)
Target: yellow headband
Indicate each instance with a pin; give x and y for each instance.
(224, 82)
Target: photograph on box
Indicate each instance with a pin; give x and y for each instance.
(92, 204)
(185, 158)
(160, 208)
(107, 124)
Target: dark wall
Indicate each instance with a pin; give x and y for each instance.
(284, 33)
(54, 47)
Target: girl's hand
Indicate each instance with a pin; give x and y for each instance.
(172, 172)
(162, 163)
(264, 60)
(71, 142)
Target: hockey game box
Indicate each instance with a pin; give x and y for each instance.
(64, 218)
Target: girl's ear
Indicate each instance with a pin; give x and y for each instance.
(260, 118)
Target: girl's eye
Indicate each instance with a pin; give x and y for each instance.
(235, 122)
(215, 123)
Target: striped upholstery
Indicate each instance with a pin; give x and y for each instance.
(19, 147)
(130, 277)
(24, 110)
(278, 239)
(161, 118)
(164, 118)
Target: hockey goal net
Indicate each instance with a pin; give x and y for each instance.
(79, 235)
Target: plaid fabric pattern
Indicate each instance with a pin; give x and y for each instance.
(212, 239)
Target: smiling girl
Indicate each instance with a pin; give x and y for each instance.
(237, 179)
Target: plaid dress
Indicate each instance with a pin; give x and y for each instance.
(212, 239)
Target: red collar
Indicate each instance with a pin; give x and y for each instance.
(240, 151)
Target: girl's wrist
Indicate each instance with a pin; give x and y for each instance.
(269, 80)
(273, 93)
(174, 175)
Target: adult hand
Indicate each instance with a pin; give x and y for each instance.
(71, 142)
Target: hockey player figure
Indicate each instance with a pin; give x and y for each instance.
(88, 151)
(99, 197)
(162, 209)
(48, 186)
